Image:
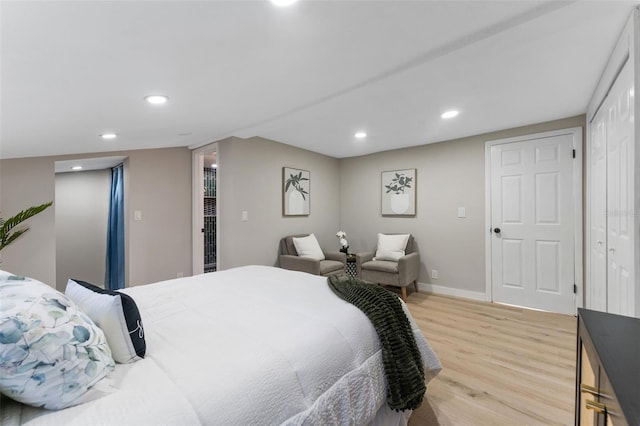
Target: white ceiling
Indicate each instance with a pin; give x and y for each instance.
(100, 163)
(309, 75)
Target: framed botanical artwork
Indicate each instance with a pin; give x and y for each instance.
(296, 192)
(399, 192)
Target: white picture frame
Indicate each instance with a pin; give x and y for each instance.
(296, 192)
(398, 193)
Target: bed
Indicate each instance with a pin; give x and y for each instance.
(245, 346)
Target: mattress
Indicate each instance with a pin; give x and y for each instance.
(249, 345)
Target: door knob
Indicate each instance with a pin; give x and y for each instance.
(496, 230)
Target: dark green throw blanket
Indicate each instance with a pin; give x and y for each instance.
(402, 362)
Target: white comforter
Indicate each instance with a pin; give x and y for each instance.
(254, 345)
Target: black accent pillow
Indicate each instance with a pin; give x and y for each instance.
(116, 314)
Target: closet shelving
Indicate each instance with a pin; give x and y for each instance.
(209, 219)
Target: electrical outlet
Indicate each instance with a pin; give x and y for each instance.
(180, 275)
(434, 274)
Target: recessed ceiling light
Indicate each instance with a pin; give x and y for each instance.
(283, 2)
(76, 168)
(108, 136)
(156, 99)
(361, 135)
(450, 114)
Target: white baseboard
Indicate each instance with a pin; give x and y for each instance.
(449, 291)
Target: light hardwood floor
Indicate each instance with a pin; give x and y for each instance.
(502, 365)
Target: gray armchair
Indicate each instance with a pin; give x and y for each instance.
(399, 274)
(334, 263)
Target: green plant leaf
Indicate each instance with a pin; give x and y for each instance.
(11, 238)
(6, 237)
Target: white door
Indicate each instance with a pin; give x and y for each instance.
(618, 110)
(202, 158)
(532, 220)
(197, 213)
(597, 289)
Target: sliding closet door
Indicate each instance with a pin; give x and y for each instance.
(597, 291)
(619, 111)
(611, 244)
(613, 184)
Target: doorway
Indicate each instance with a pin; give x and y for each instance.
(82, 191)
(205, 209)
(534, 220)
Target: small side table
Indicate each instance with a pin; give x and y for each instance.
(352, 271)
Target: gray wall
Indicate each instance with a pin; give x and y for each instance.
(157, 182)
(159, 185)
(26, 182)
(81, 212)
(450, 175)
(250, 179)
(345, 194)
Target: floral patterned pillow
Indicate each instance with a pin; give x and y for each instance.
(51, 353)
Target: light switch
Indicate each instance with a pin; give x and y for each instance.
(245, 216)
(462, 212)
(137, 215)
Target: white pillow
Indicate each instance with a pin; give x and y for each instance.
(391, 247)
(308, 247)
(51, 351)
(116, 314)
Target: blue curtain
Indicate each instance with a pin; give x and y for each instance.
(114, 274)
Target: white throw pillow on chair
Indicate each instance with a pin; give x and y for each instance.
(391, 247)
(308, 247)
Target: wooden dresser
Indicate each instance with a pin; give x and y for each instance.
(607, 369)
